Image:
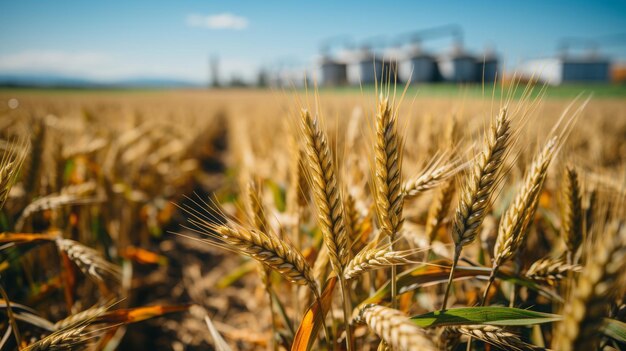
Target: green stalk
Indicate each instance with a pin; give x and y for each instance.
(492, 278)
(457, 255)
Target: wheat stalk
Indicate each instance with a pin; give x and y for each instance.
(475, 195)
(271, 251)
(395, 329)
(327, 196)
(80, 318)
(571, 213)
(388, 170)
(324, 184)
(550, 269)
(33, 164)
(10, 164)
(257, 212)
(256, 209)
(89, 261)
(601, 279)
(370, 259)
(438, 209)
(516, 221)
(50, 202)
(388, 178)
(62, 340)
(496, 336)
(353, 219)
(434, 175)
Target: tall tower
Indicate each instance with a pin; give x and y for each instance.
(214, 63)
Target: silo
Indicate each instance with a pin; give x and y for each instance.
(568, 69)
(458, 66)
(363, 67)
(590, 68)
(333, 72)
(487, 68)
(418, 66)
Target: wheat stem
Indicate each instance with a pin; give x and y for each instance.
(457, 255)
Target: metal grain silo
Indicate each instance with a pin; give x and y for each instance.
(458, 66)
(586, 69)
(418, 66)
(487, 68)
(333, 72)
(363, 66)
(567, 69)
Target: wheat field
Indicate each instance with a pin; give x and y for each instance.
(305, 220)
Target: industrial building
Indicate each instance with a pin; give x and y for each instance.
(418, 66)
(567, 69)
(458, 66)
(408, 62)
(333, 72)
(363, 66)
(487, 68)
(404, 59)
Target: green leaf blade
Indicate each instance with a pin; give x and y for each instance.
(615, 329)
(491, 315)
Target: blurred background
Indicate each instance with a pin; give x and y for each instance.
(199, 44)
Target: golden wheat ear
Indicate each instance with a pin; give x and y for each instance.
(551, 269)
(476, 194)
(571, 213)
(496, 336)
(324, 185)
(73, 333)
(395, 329)
(10, 165)
(90, 261)
(376, 258)
(388, 170)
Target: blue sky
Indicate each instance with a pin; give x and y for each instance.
(109, 40)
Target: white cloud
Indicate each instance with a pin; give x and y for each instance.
(218, 21)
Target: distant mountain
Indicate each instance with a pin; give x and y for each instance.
(61, 81)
